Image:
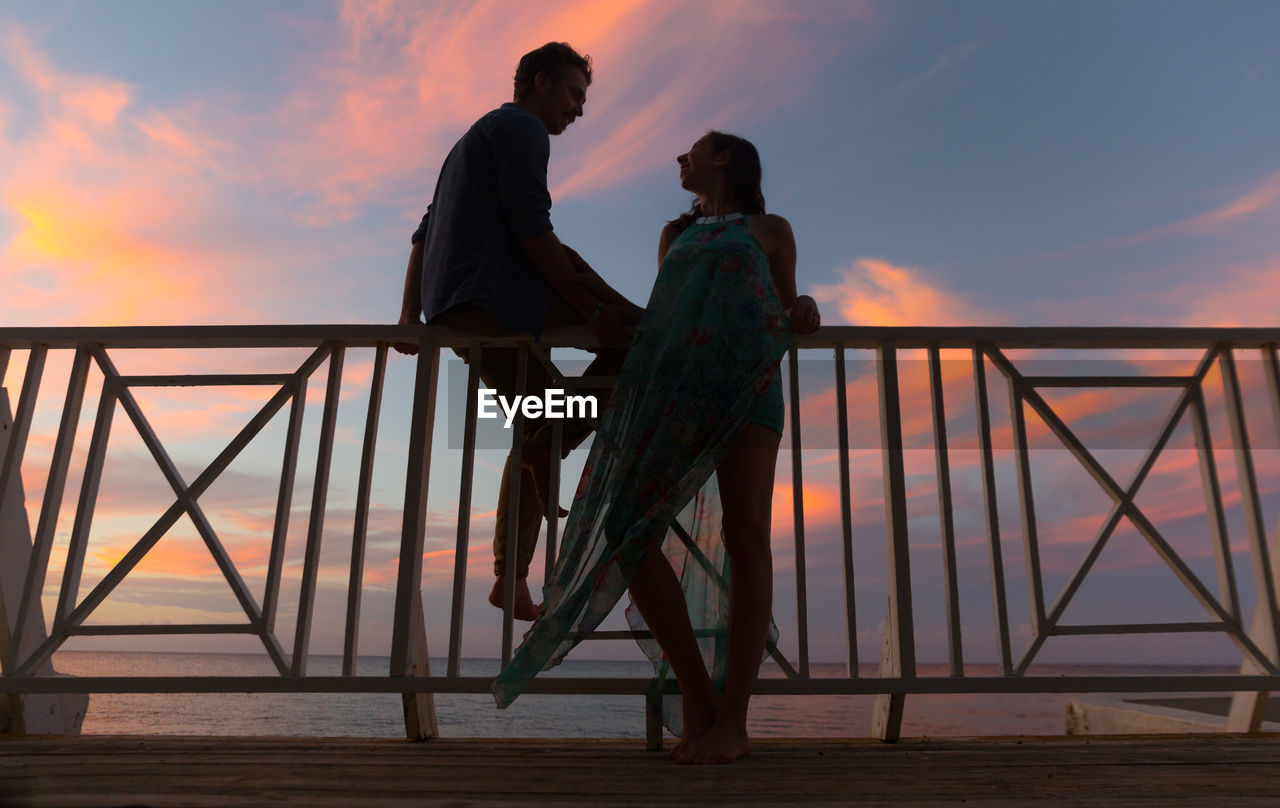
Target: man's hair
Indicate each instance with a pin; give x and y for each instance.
(552, 58)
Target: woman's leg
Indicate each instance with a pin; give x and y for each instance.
(745, 478)
(657, 594)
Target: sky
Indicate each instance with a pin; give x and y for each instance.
(941, 163)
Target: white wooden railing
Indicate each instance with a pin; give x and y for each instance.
(26, 650)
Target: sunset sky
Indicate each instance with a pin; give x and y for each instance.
(941, 163)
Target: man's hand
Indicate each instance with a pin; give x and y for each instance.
(407, 348)
(804, 315)
(610, 327)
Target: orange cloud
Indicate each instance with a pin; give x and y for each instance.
(876, 292)
(96, 192)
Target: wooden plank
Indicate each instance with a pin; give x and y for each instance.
(42, 542)
(32, 713)
(419, 708)
(88, 500)
(513, 514)
(315, 526)
(1139, 628)
(355, 583)
(1213, 505)
(207, 380)
(284, 502)
(886, 714)
(553, 496)
(846, 517)
(1183, 770)
(860, 337)
(1107, 381)
(895, 504)
(104, 630)
(465, 482)
(1247, 481)
(16, 445)
(797, 509)
(946, 515)
(417, 480)
(1247, 708)
(638, 686)
(897, 653)
(1027, 510)
(992, 511)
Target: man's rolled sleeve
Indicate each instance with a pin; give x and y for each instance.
(523, 149)
(421, 232)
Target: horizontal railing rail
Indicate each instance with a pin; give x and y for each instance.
(990, 352)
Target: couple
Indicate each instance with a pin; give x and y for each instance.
(697, 406)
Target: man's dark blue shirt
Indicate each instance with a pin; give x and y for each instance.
(492, 191)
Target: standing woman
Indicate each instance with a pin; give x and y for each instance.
(698, 405)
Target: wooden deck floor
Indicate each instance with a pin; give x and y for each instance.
(156, 771)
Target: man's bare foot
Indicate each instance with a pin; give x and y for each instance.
(697, 716)
(536, 458)
(524, 607)
(720, 744)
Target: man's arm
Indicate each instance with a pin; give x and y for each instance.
(549, 257)
(411, 303)
(600, 288)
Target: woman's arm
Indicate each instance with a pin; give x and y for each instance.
(780, 247)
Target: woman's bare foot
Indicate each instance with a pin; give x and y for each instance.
(720, 744)
(697, 716)
(524, 607)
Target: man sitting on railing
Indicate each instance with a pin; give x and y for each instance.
(485, 260)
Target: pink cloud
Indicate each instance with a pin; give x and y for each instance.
(1263, 197)
(396, 83)
(1234, 297)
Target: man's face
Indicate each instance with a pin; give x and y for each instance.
(559, 102)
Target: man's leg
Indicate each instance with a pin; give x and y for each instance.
(498, 368)
(607, 362)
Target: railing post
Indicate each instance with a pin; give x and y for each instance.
(946, 516)
(474, 356)
(42, 542)
(898, 658)
(33, 713)
(846, 517)
(360, 531)
(797, 507)
(315, 528)
(1247, 707)
(407, 655)
(516, 477)
(992, 510)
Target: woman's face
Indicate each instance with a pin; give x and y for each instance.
(699, 165)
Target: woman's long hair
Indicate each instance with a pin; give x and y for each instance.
(744, 172)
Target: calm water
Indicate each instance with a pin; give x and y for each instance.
(536, 716)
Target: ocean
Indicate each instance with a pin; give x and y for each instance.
(533, 716)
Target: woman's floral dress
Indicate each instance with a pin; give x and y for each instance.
(703, 355)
